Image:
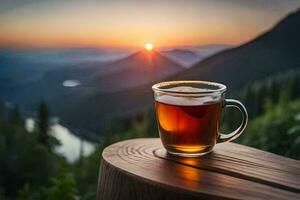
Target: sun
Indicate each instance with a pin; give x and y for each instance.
(149, 46)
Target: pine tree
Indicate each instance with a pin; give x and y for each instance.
(259, 100)
(2, 110)
(293, 86)
(274, 91)
(249, 100)
(286, 92)
(15, 116)
(43, 124)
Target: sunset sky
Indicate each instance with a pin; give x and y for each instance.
(124, 23)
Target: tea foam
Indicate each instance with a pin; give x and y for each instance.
(187, 89)
(185, 100)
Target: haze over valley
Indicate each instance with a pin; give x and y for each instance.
(87, 88)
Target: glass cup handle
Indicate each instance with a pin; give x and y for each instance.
(233, 135)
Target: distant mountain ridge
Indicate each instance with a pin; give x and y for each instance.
(120, 93)
(274, 51)
(125, 88)
(189, 55)
(138, 69)
(184, 57)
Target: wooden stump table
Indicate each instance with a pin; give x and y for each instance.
(141, 169)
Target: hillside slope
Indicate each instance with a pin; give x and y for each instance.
(138, 69)
(273, 52)
(184, 57)
(126, 89)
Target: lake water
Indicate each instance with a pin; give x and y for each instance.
(71, 145)
(71, 83)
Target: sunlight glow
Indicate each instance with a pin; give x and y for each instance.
(135, 22)
(148, 46)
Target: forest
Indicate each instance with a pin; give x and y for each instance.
(30, 169)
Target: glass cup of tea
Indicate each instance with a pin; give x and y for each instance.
(189, 113)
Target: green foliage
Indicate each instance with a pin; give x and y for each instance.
(15, 116)
(23, 159)
(30, 170)
(43, 123)
(141, 125)
(24, 193)
(61, 188)
(86, 174)
(273, 107)
(275, 89)
(277, 131)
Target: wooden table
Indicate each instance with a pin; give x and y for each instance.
(141, 169)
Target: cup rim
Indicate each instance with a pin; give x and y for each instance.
(221, 88)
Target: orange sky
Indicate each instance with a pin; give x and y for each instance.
(133, 23)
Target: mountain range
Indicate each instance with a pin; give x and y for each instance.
(114, 89)
(138, 69)
(188, 56)
(27, 84)
(273, 52)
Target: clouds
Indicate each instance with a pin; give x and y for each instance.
(133, 22)
(8, 5)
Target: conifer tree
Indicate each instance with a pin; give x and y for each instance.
(43, 123)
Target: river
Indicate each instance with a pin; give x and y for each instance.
(71, 145)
